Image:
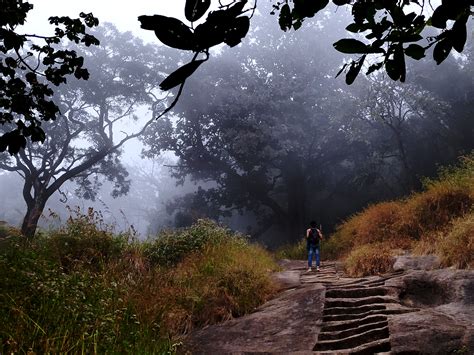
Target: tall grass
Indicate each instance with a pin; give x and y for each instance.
(82, 289)
(438, 220)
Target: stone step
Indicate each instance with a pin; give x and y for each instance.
(345, 302)
(354, 340)
(335, 326)
(375, 347)
(353, 310)
(349, 316)
(353, 331)
(360, 292)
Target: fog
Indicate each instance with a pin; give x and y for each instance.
(264, 138)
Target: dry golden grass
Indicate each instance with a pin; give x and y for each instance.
(435, 221)
(369, 259)
(456, 248)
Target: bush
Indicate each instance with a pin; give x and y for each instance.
(416, 222)
(82, 289)
(85, 240)
(170, 247)
(369, 259)
(456, 248)
(226, 280)
(292, 251)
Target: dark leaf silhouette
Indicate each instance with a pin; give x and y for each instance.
(195, 9)
(459, 33)
(354, 70)
(169, 30)
(350, 46)
(285, 18)
(305, 8)
(180, 75)
(442, 50)
(415, 51)
(237, 31)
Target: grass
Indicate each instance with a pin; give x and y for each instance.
(84, 289)
(369, 259)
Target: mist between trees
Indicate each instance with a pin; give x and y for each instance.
(264, 137)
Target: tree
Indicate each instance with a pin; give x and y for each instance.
(387, 25)
(97, 118)
(28, 67)
(268, 141)
(401, 109)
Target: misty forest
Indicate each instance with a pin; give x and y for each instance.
(156, 193)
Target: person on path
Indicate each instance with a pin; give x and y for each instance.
(313, 241)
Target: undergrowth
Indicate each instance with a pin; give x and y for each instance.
(84, 289)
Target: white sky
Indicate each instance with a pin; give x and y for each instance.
(123, 14)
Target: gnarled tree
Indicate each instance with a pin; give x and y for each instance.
(97, 118)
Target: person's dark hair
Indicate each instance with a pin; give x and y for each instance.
(313, 224)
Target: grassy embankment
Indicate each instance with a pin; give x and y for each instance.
(439, 220)
(82, 289)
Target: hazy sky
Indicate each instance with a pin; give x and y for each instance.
(122, 14)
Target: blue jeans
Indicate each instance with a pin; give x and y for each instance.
(313, 249)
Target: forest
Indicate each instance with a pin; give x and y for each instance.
(234, 133)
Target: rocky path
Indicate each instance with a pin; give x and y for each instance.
(326, 313)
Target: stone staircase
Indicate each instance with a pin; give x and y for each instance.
(355, 312)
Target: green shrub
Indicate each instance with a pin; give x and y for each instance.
(170, 247)
(86, 240)
(292, 251)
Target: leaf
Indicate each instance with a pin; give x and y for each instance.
(195, 9)
(442, 50)
(395, 67)
(439, 17)
(342, 69)
(180, 75)
(354, 27)
(285, 20)
(237, 31)
(236, 9)
(169, 30)
(415, 51)
(458, 33)
(374, 67)
(308, 8)
(341, 2)
(354, 70)
(350, 46)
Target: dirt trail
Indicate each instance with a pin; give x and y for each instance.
(319, 312)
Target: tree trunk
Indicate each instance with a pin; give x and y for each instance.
(30, 221)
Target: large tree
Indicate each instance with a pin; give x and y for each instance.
(97, 118)
(269, 138)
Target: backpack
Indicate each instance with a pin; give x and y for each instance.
(313, 237)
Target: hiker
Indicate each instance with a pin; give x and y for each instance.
(313, 238)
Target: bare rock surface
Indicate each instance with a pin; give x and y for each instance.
(410, 262)
(404, 312)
